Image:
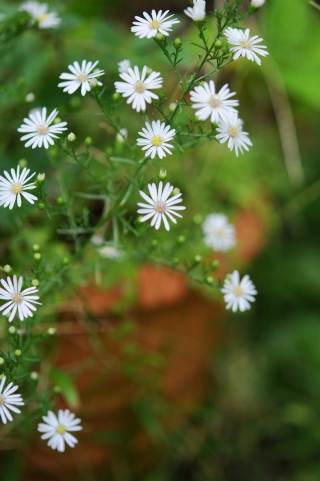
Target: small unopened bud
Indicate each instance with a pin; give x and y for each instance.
(93, 83)
(154, 242)
(149, 71)
(162, 175)
(197, 259)
(176, 191)
(257, 3)
(35, 247)
(12, 330)
(60, 201)
(41, 206)
(7, 269)
(65, 260)
(41, 177)
(37, 257)
(35, 283)
(18, 353)
(57, 389)
(51, 331)
(181, 239)
(88, 141)
(34, 375)
(2, 361)
(175, 261)
(122, 135)
(172, 107)
(1, 377)
(71, 137)
(214, 264)
(218, 44)
(116, 96)
(160, 37)
(177, 42)
(30, 97)
(22, 163)
(209, 280)
(197, 218)
(57, 120)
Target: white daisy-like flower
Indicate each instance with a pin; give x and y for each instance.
(160, 205)
(80, 76)
(208, 103)
(198, 11)
(151, 25)
(8, 400)
(124, 66)
(39, 13)
(257, 3)
(38, 128)
(21, 301)
(245, 45)
(12, 188)
(231, 131)
(156, 138)
(218, 233)
(57, 429)
(137, 87)
(238, 294)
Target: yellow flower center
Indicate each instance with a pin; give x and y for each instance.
(1, 400)
(60, 429)
(82, 78)
(42, 17)
(160, 207)
(219, 232)
(233, 131)
(43, 130)
(215, 101)
(139, 87)
(238, 291)
(155, 24)
(16, 188)
(245, 44)
(157, 141)
(17, 297)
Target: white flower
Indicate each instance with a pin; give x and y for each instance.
(122, 135)
(8, 400)
(38, 128)
(257, 3)
(57, 429)
(17, 300)
(137, 87)
(218, 233)
(14, 187)
(212, 104)
(244, 44)
(80, 76)
(39, 13)
(124, 66)
(238, 295)
(231, 131)
(151, 25)
(156, 139)
(198, 11)
(160, 205)
(108, 251)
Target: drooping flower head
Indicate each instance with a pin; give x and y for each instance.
(149, 26)
(39, 13)
(245, 45)
(218, 233)
(238, 294)
(137, 88)
(38, 128)
(14, 186)
(124, 66)
(156, 138)
(160, 205)
(8, 400)
(17, 300)
(231, 131)
(57, 429)
(79, 77)
(208, 103)
(198, 11)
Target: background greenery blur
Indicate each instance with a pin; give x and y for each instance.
(258, 417)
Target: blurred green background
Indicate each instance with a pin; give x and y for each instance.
(258, 417)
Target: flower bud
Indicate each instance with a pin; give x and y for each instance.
(35, 283)
(93, 83)
(37, 257)
(60, 201)
(160, 37)
(41, 206)
(71, 137)
(30, 97)
(7, 268)
(172, 107)
(122, 135)
(2, 361)
(162, 175)
(22, 163)
(257, 3)
(88, 141)
(18, 353)
(197, 218)
(176, 191)
(214, 264)
(116, 96)
(65, 261)
(51, 331)
(1, 377)
(12, 330)
(41, 178)
(154, 242)
(218, 44)
(181, 239)
(57, 389)
(209, 280)
(177, 42)
(149, 71)
(175, 261)
(57, 120)
(197, 259)
(34, 375)
(35, 247)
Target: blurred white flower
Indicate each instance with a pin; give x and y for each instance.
(108, 251)
(218, 233)
(208, 103)
(245, 45)
(124, 66)
(156, 138)
(151, 25)
(231, 131)
(38, 128)
(198, 11)
(17, 300)
(57, 429)
(238, 294)
(160, 205)
(257, 3)
(14, 186)
(122, 135)
(8, 400)
(39, 13)
(137, 87)
(80, 76)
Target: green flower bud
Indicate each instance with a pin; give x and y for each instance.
(71, 137)
(51, 331)
(65, 260)
(2, 361)
(88, 141)
(7, 268)
(18, 353)
(41, 206)
(37, 257)
(57, 389)
(197, 259)
(35, 247)
(160, 38)
(162, 175)
(181, 239)
(209, 280)
(197, 219)
(22, 163)
(34, 376)
(57, 120)
(93, 83)
(12, 330)
(60, 201)
(154, 242)
(175, 191)
(175, 261)
(177, 42)
(218, 44)
(35, 283)
(116, 96)
(214, 264)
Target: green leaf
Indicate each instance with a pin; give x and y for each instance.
(68, 389)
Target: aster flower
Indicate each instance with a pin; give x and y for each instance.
(218, 233)
(156, 139)
(80, 76)
(212, 104)
(57, 429)
(39, 13)
(151, 25)
(14, 187)
(137, 87)
(124, 66)
(231, 131)
(38, 128)
(245, 45)
(198, 11)
(17, 300)
(160, 205)
(238, 294)
(257, 3)
(8, 400)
